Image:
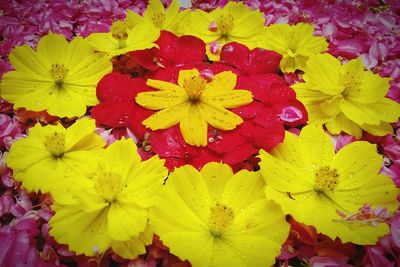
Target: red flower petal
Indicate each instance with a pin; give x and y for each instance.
(180, 50)
(250, 62)
(145, 58)
(117, 87)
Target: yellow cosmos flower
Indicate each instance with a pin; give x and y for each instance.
(171, 20)
(295, 43)
(109, 208)
(194, 103)
(122, 39)
(312, 183)
(60, 77)
(234, 23)
(217, 218)
(50, 154)
(346, 97)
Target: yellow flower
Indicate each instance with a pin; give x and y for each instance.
(110, 208)
(194, 103)
(312, 183)
(346, 97)
(295, 43)
(50, 154)
(217, 218)
(171, 20)
(60, 77)
(122, 39)
(234, 23)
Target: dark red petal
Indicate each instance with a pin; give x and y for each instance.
(110, 114)
(223, 142)
(180, 50)
(235, 55)
(117, 87)
(135, 121)
(145, 58)
(168, 143)
(263, 61)
(205, 156)
(239, 153)
(268, 137)
(249, 111)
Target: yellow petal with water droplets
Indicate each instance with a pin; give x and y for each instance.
(225, 80)
(226, 98)
(194, 127)
(164, 86)
(167, 117)
(67, 104)
(161, 99)
(219, 117)
(126, 221)
(319, 146)
(216, 175)
(55, 48)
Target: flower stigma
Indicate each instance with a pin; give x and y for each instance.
(58, 72)
(119, 32)
(108, 185)
(158, 19)
(221, 217)
(55, 143)
(194, 87)
(326, 179)
(225, 24)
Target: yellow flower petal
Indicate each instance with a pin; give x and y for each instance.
(135, 246)
(382, 129)
(324, 71)
(89, 235)
(164, 86)
(355, 162)
(32, 64)
(132, 18)
(67, 104)
(49, 47)
(216, 175)
(125, 221)
(342, 123)
(161, 99)
(194, 127)
(167, 117)
(360, 114)
(319, 144)
(219, 117)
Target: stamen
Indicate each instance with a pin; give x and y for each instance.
(221, 217)
(58, 72)
(55, 143)
(194, 87)
(158, 19)
(108, 185)
(225, 24)
(326, 179)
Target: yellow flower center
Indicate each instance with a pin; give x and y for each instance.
(108, 185)
(221, 216)
(55, 143)
(58, 72)
(351, 82)
(118, 30)
(225, 24)
(158, 19)
(326, 179)
(194, 87)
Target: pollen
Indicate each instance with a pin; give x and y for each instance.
(55, 143)
(326, 179)
(158, 19)
(194, 87)
(225, 24)
(58, 72)
(221, 217)
(108, 185)
(351, 82)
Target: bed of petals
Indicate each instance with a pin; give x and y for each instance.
(261, 105)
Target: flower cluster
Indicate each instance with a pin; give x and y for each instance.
(210, 133)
